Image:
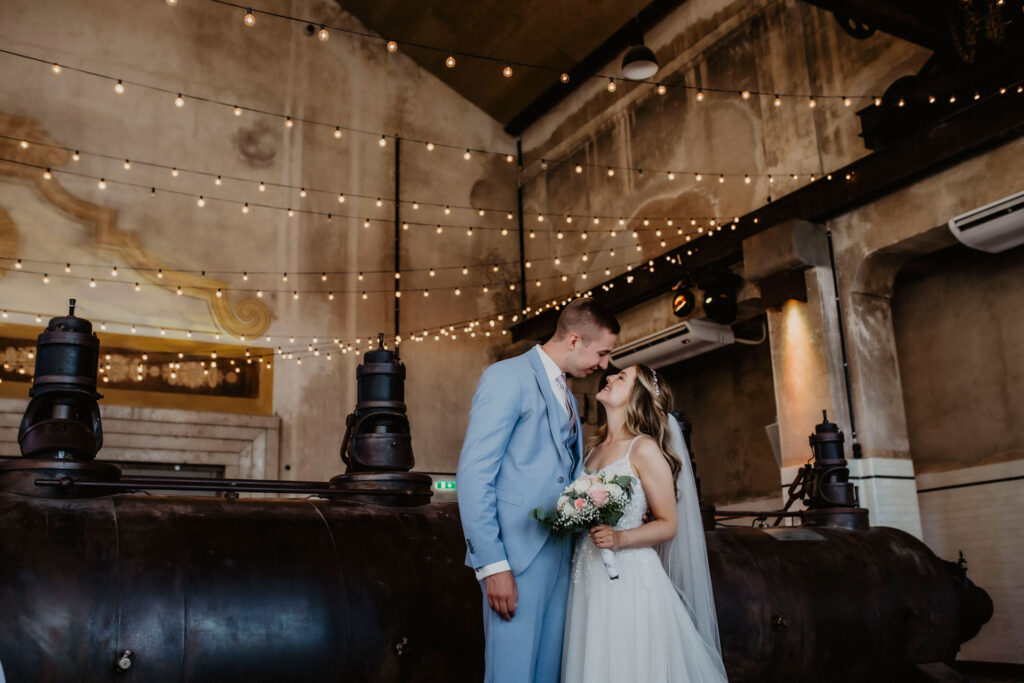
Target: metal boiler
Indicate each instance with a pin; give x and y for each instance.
(365, 581)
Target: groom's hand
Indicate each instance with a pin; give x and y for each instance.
(502, 594)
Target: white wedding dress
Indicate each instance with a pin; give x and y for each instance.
(635, 628)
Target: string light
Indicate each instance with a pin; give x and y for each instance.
(564, 77)
(507, 71)
(179, 101)
(450, 62)
(392, 46)
(249, 19)
(662, 89)
(323, 34)
(611, 85)
(119, 87)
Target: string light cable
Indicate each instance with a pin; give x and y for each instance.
(182, 97)
(247, 206)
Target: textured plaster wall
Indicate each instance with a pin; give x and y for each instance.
(960, 340)
(204, 49)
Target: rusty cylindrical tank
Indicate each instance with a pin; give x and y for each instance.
(234, 590)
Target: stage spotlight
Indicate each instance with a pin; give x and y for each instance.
(720, 301)
(683, 301)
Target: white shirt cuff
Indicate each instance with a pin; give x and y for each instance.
(493, 568)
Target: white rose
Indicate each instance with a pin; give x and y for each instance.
(614, 490)
(565, 508)
(581, 485)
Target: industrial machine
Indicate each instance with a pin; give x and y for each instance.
(363, 580)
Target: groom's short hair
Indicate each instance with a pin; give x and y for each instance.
(583, 316)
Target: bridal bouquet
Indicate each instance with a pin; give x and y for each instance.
(588, 501)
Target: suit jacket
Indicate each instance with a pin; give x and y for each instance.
(514, 458)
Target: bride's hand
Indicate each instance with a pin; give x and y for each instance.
(604, 536)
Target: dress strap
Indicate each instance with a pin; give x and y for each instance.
(629, 450)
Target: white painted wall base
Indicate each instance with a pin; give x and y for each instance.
(981, 517)
(246, 446)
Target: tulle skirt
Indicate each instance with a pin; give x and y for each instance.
(635, 628)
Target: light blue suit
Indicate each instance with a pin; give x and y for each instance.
(519, 455)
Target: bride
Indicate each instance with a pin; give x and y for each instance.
(656, 622)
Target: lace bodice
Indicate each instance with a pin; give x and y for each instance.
(637, 505)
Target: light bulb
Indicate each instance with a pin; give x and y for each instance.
(200, 202)
(288, 123)
(179, 101)
(217, 180)
(238, 110)
(746, 179)
(337, 132)
(467, 155)
(450, 62)
(262, 187)
(745, 94)
(47, 174)
(249, 18)
(383, 141)
(579, 168)
(56, 68)
(380, 202)
(509, 158)
(564, 78)
(662, 89)
(700, 95)
(245, 208)
(671, 175)
(102, 184)
(847, 101)
(812, 104)
(698, 177)
(611, 85)
(302, 192)
(611, 172)
(507, 71)
(119, 87)
(76, 156)
(323, 34)
(392, 46)
(878, 101)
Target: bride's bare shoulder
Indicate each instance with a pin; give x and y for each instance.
(647, 454)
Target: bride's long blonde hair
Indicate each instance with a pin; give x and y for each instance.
(647, 412)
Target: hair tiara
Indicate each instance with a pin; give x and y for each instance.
(657, 387)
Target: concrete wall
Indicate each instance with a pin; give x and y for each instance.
(728, 396)
(204, 49)
(960, 339)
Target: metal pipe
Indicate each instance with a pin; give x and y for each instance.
(398, 231)
(854, 444)
(522, 241)
(210, 485)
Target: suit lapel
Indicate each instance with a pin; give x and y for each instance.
(556, 413)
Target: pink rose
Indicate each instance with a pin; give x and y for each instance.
(579, 503)
(598, 494)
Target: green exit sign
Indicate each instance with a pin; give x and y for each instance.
(444, 485)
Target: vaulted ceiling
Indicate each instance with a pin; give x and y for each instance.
(559, 35)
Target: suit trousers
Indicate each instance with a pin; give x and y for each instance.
(528, 649)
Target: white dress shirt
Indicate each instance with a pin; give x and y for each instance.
(553, 373)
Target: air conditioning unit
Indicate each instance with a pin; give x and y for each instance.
(994, 227)
(679, 342)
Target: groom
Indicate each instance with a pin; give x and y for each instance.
(523, 446)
